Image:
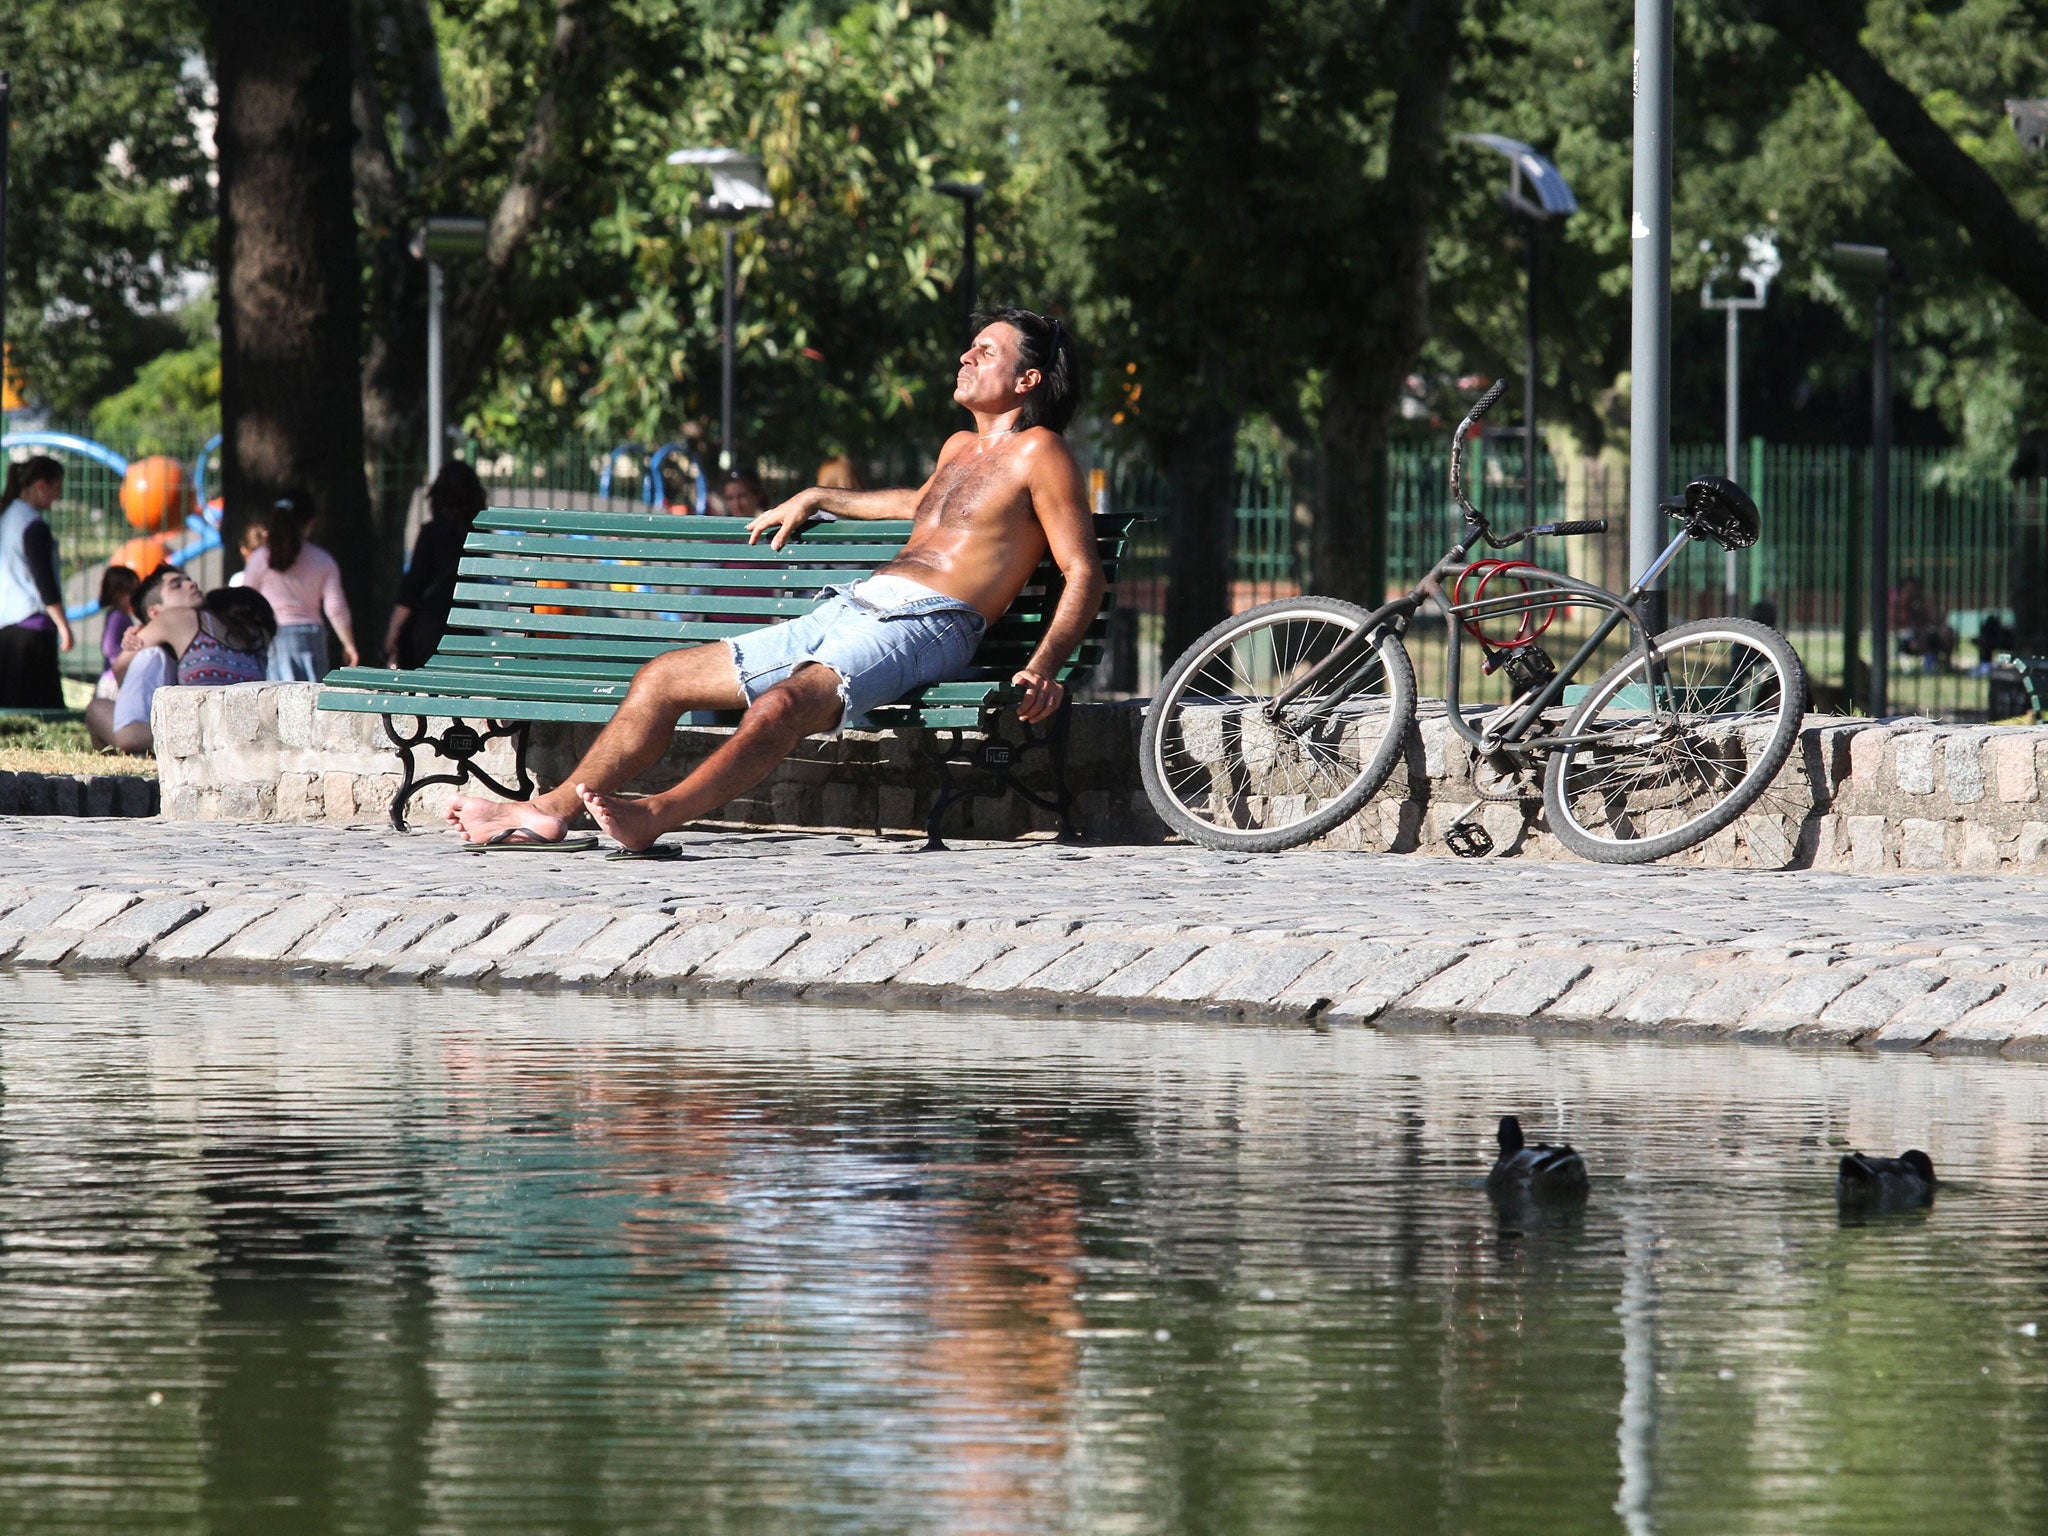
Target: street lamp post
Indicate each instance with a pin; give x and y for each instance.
(970, 194)
(1877, 264)
(1649, 409)
(739, 185)
(1536, 193)
(1758, 271)
(433, 242)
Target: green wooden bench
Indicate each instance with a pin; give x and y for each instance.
(555, 610)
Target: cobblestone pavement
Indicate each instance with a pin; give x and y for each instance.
(1944, 962)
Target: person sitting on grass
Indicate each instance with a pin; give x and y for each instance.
(1001, 497)
(184, 639)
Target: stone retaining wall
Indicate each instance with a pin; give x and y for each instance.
(1857, 794)
(263, 752)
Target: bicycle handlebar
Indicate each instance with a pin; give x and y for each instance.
(1471, 420)
(1569, 530)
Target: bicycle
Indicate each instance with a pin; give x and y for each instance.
(1280, 723)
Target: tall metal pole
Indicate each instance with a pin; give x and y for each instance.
(1649, 419)
(1529, 382)
(728, 456)
(1881, 502)
(6, 112)
(437, 403)
(1733, 457)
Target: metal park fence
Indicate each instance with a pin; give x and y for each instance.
(1976, 546)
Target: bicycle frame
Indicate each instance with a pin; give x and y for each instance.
(1352, 659)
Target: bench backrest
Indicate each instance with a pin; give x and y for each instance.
(597, 593)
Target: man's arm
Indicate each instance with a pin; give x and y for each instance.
(1061, 504)
(863, 506)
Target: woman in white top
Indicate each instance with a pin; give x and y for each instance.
(302, 583)
(33, 628)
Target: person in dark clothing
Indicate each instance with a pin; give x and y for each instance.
(33, 628)
(427, 590)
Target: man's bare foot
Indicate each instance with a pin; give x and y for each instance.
(480, 819)
(629, 823)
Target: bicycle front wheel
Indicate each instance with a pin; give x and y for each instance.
(1225, 769)
(1642, 782)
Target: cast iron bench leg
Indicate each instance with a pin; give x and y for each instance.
(992, 772)
(459, 744)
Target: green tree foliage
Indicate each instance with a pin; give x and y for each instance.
(844, 336)
(110, 204)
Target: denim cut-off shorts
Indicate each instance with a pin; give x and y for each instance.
(880, 653)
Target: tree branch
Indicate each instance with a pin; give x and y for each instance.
(2006, 246)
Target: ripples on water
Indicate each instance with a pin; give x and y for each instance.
(323, 1260)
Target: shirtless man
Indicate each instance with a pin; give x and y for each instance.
(1000, 498)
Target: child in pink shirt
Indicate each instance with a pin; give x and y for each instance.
(302, 583)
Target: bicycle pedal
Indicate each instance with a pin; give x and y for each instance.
(1468, 840)
(1466, 837)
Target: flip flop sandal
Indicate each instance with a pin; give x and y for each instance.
(526, 840)
(657, 852)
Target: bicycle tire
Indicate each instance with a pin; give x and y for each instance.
(1209, 695)
(1633, 805)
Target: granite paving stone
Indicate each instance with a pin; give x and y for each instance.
(542, 959)
(277, 935)
(603, 955)
(1270, 974)
(1149, 969)
(883, 961)
(754, 954)
(480, 959)
(821, 956)
(950, 964)
(205, 933)
(348, 933)
(1529, 988)
(1007, 972)
(1207, 973)
(1086, 966)
(1385, 985)
(121, 941)
(54, 942)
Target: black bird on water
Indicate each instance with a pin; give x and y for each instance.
(1885, 1183)
(1546, 1173)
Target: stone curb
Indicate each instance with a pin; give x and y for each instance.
(1790, 995)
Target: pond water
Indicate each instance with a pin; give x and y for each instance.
(329, 1259)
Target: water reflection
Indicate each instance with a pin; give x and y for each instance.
(332, 1260)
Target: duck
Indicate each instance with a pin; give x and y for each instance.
(1885, 1182)
(1547, 1173)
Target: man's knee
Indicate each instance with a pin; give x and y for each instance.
(805, 702)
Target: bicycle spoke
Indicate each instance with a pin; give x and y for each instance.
(1657, 771)
(1230, 760)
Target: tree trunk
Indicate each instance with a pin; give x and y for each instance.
(1199, 464)
(1348, 549)
(1378, 330)
(290, 282)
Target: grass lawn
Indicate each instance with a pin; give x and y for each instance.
(29, 745)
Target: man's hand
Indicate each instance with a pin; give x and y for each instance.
(64, 640)
(131, 639)
(1042, 695)
(786, 520)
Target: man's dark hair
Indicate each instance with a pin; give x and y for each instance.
(146, 593)
(1043, 344)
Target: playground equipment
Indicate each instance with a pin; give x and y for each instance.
(652, 490)
(156, 496)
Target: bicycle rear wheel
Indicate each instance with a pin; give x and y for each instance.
(1732, 695)
(1225, 770)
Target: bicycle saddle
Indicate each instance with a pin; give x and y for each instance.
(1715, 507)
